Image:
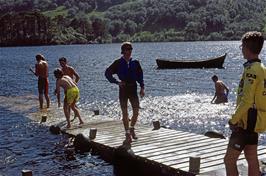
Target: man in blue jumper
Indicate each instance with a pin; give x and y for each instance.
(129, 73)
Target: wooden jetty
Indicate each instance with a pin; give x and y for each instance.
(162, 151)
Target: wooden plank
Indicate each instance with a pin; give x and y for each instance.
(208, 148)
(174, 148)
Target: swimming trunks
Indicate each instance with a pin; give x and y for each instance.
(43, 85)
(72, 95)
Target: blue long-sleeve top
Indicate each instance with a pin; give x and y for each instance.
(128, 72)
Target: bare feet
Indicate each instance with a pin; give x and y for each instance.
(68, 126)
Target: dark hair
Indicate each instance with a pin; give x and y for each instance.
(214, 77)
(39, 57)
(253, 40)
(62, 59)
(58, 73)
(125, 46)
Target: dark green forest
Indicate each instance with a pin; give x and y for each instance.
(45, 22)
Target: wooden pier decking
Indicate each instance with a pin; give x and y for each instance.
(166, 149)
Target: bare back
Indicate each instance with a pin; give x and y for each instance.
(220, 88)
(65, 82)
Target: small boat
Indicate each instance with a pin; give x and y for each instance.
(208, 63)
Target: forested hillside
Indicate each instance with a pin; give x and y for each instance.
(39, 22)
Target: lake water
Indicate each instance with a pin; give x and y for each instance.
(179, 98)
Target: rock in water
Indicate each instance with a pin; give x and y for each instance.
(82, 144)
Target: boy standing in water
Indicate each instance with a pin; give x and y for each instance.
(129, 72)
(71, 95)
(221, 91)
(251, 94)
(41, 71)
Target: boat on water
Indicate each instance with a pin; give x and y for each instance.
(216, 62)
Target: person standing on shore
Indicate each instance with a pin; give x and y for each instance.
(41, 71)
(71, 95)
(129, 73)
(249, 117)
(221, 91)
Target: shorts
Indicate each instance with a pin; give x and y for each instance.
(43, 85)
(128, 93)
(72, 95)
(238, 140)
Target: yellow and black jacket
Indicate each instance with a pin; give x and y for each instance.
(251, 90)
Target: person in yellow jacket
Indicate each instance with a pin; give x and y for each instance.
(244, 122)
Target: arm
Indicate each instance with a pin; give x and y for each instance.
(140, 75)
(214, 97)
(250, 81)
(140, 80)
(57, 91)
(76, 75)
(112, 69)
(226, 89)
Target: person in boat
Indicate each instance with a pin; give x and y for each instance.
(129, 72)
(251, 93)
(41, 71)
(221, 91)
(71, 94)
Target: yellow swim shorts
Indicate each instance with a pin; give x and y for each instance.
(72, 95)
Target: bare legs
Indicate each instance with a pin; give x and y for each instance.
(41, 100)
(251, 156)
(47, 100)
(231, 158)
(75, 110)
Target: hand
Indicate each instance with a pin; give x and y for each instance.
(142, 93)
(55, 92)
(121, 84)
(233, 127)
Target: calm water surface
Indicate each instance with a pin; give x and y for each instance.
(180, 99)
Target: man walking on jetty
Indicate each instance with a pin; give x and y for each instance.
(71, 94)
(129, 73)
(41, 71)
(249, 118)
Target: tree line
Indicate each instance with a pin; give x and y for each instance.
(38, 22)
